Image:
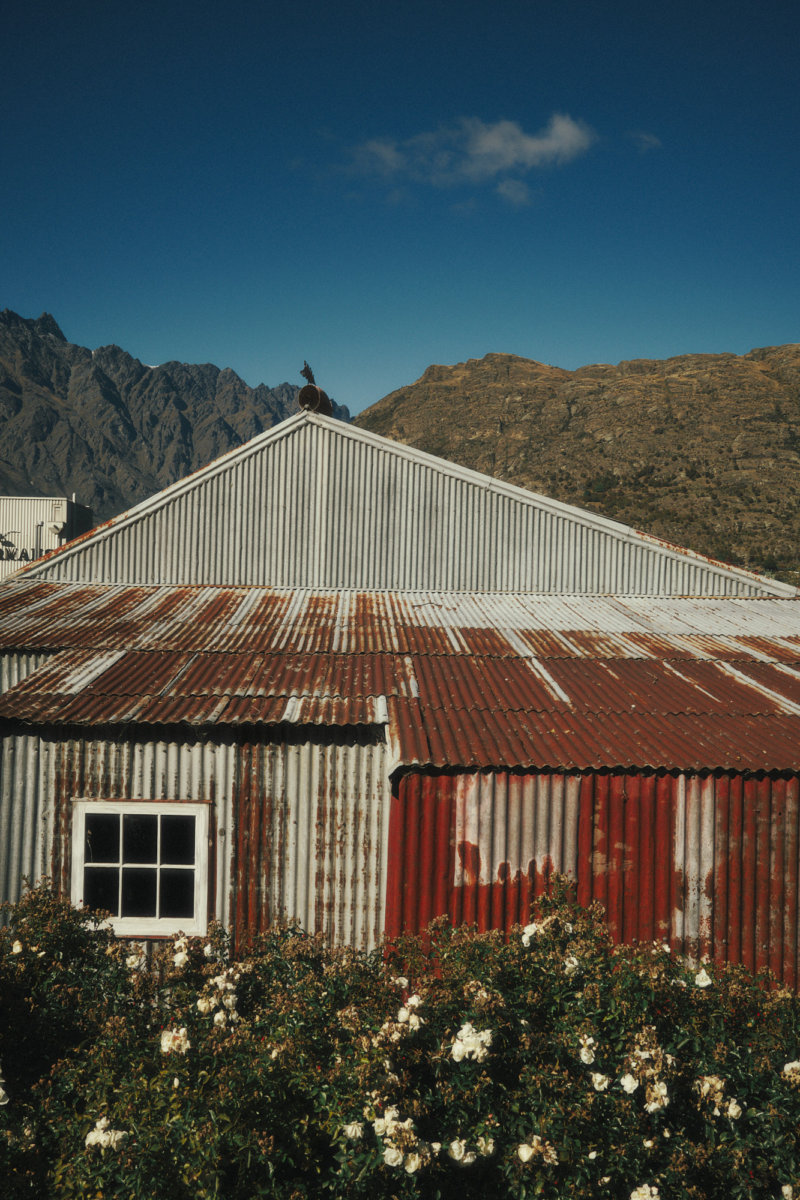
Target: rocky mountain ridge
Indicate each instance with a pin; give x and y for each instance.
(702, 450)
(114, 431)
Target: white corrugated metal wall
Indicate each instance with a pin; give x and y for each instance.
(300, 823)
(26, 814)
(312, 835)
(317, 503)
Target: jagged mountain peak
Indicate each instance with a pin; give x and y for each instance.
(111, 429)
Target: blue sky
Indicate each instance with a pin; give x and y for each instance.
(378, 187)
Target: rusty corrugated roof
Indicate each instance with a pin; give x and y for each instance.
(560, 682)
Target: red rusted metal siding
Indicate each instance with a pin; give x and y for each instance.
(706, 862)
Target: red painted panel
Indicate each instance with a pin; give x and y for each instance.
(707, 863)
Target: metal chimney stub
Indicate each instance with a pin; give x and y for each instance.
(312, 398)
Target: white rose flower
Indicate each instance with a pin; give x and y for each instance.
(599, 1081)
(787, 1191)
(133, 961)
(702, 979)
(379, 1125)
(648, 1143)
(174, 1041)
(400, 981)
(208, 950)
(592, 1155)
(587, 1050)
(402, 1015)
(414, 1022)
(629, 1083)
(414, 1001)
(734, 1110)
(412, 1163)
(104, 1137)
(220, 1017)
(205, 1004)
(471, 1043)
(457, 1149)
(792, 1069)
(392, 1156)
(180, 959)
(436, 1147)
(657, 1097)
(485, 1146)
(230, 1000)
(468, 1159)
(525, 1152)
(645, 1192)
(17, 947)
(353, 1131)
(571, 965)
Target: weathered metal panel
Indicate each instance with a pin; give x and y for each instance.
(707, 862)
(317, 503)
(470, 681)
(26, 811)
(178, 766)
(17, 665)
(299, 823)
(311, 835)
(42, 614)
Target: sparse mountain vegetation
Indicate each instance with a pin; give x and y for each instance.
(702, 450)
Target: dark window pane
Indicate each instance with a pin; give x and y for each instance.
(101, 888)
(139, 838)
(177, 893)
(102, 838)
(138, 892)
(177, 840)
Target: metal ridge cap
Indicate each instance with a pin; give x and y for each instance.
(434, 596)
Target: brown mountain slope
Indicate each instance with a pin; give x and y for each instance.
(702, 449)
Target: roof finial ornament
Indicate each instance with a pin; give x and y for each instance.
(312, 398)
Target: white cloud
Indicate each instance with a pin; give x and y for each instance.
(644, 141)
(515, 191)
(476, 152)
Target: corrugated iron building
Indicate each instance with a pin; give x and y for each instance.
(337, 679)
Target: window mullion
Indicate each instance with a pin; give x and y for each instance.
(120, 860)
(158, 867)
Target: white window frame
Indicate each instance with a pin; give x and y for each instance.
(147, 926)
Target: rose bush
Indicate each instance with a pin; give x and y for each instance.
(551, 1063)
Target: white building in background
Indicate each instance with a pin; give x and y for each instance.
(30, 526)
